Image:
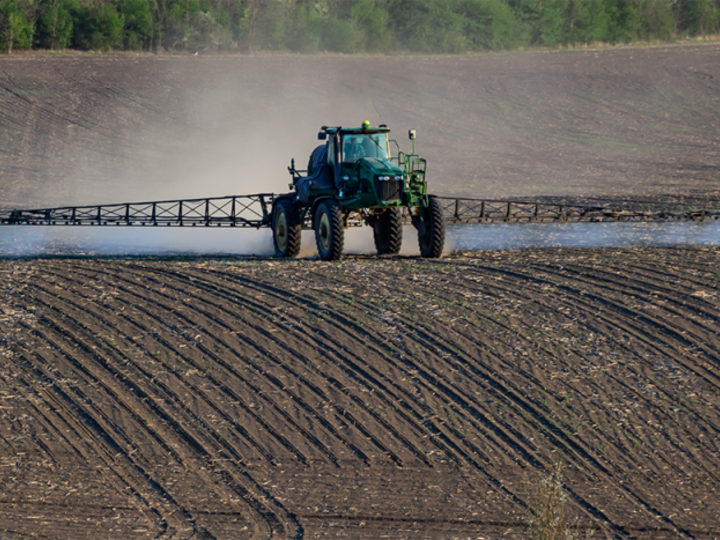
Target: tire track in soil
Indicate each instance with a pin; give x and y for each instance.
(198, 446)
(520, 278)
(648, 292)
(177, 451)
(50, 116)
(620, 383)
(675, 357)
(672, 294)
(634, 391)
(666, 330)
(598, 329)
(56, 426)
(494, 382)
(588, 309)
(264, 311)
(90, 416)
(64, 413)
(528, 376)
(643, 503)
(338, 316)
(220, 292)
(196, 390)
(663, 330)
(375, 380)
(148, 101)
(347, 415)
(466, 457)
(273, 381)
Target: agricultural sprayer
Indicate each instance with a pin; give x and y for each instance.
(351, 180)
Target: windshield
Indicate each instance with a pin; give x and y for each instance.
(360, 145)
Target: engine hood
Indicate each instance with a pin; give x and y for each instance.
(381, 166)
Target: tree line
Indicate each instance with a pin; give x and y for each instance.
(346, 26)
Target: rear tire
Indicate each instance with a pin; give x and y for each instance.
(329, 232)
(287, 228)
(431, 232)
(387, 232)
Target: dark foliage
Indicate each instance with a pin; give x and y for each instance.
(348, 26)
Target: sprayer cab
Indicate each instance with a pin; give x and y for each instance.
(353, 178)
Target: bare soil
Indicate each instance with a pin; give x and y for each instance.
(375, 397)
(638, 123)
(396, 398)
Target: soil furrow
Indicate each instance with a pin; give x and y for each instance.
(142, 417)
(273, 381)
(185, 385)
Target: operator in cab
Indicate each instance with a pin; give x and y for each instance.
(356, 147)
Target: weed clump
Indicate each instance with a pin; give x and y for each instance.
(548, 512)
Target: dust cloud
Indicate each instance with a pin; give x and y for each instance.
(34, 241)
(581, 235)
(216, 127)
(111, 130)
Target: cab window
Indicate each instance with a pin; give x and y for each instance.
(357, 146)
(331, 152)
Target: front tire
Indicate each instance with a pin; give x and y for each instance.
(287, 229)
(329, 232)
(387, 232)
(431, 230)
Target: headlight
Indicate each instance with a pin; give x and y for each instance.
(398, 178)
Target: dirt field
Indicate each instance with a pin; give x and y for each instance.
(400, 398)
(633, 123)
(368, 399)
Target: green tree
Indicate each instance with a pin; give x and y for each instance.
(541, 21)
(340, 35)
(177, 30)
(429, 26)
(273, 26)
(105, 27)
(491, 25)
(305, 28)
(55, 30)
(371, 20)
(138, 24)
(702, 17)
(618, 13)
(586, 21)
(650, 19)
(16, 30)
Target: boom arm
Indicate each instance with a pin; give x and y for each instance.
(231, 211)
(254, 211)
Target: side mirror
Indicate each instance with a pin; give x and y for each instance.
(412, 135)
(322, 136)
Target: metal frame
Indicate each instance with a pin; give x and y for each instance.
(232, 211)
(254, 211)
(459, 210)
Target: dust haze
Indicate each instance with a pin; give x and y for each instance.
(88, 130)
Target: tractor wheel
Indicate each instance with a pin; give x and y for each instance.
(431, 232)
(387, 231)
(287, 228)
(329, 232)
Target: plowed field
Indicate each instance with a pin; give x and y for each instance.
(247, 398)
(368, 399)
(636, 123)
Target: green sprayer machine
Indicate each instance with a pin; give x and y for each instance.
(351, 180)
